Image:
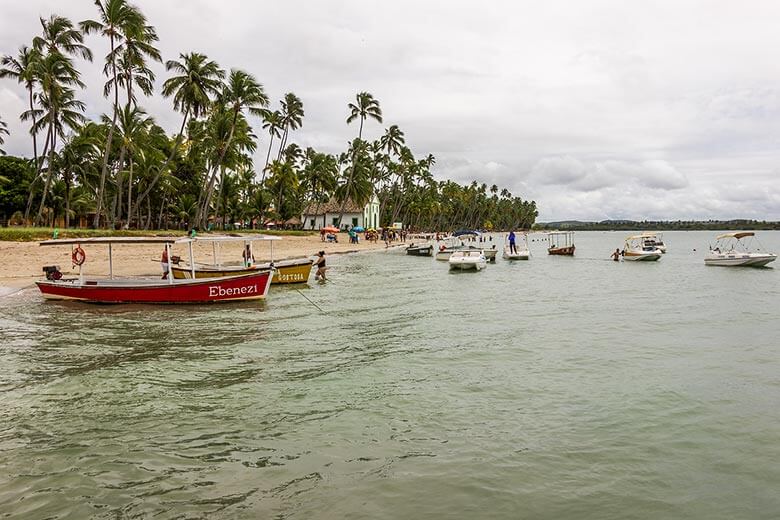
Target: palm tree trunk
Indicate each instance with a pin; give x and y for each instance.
(107, 151)
(67, 198)
(267, 158)
(116, 212)
(130, 189)
(223, 152)
(31, 195)
(162, 169)
(49, 166)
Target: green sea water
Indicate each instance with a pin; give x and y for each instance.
(554, 388)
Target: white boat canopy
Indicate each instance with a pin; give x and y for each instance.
(737, 235)
(235, 238)
(115, 240)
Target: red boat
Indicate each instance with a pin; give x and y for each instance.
(252, 286)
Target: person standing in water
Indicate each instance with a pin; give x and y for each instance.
(512, 246)
(616, 255)
(320, 274)
(248, 257)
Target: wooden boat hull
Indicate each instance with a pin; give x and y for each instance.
(562, 251)
(252, 286)
(420, 250)
(287, 271)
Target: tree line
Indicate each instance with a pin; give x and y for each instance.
(123, 170)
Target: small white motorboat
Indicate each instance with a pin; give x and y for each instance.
(737, 250)
(467, 259)
(448, 246)
(521, 250)
(638, 250)
(654, 239)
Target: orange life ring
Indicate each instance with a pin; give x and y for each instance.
(78, 256)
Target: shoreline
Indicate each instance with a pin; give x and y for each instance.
(23, 261)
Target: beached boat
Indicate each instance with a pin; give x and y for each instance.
(420, 250)
(560, 243)
(467, 259)
(286, 271)
(637, 249)
(251, 286)
(521, 250)
(740, 249)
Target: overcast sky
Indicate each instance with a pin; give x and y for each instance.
(595, 109)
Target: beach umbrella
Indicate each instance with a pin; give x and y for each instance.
(358, 229)
(330, 229)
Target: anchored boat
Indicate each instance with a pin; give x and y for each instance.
(521, 250)
(638, 249)
(560, 243)
(467, 259)
(420, 250)
(740, 249)
(251, 286)
(286, 271)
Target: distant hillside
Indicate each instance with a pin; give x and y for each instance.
(659, 225)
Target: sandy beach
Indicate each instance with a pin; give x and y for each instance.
(21, 262)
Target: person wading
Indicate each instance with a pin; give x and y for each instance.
(512, 246)
(320, 274)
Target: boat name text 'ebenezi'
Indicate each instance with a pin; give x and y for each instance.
(231, 291)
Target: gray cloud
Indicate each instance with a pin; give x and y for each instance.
(604, 109)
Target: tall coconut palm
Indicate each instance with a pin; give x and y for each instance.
(320, 176)
(365, 107)
(272, 122)
(62, 111)
(198, 81)
(241, 93)
(116, 19)
(392, 140)
(292, 118)
(22, 68)
(60, 36)
(131, 58)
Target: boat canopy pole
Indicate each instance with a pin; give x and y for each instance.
(168, 256)
(110, 262)
(192, 261)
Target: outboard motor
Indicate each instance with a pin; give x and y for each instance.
(52, 272)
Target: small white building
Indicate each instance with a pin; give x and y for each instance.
(324, 214)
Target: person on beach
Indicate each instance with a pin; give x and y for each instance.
(320, 274)
(164, 263)
(616, 255)
(248, 257)
(512, 246)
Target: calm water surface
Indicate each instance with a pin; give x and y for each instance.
(554, 388)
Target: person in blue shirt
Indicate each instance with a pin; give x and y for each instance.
(512, 246)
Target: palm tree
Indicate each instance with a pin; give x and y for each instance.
(320, 175)
(131, 58)
(365, 106)
(61, 37)
(392, 141)
(117, 19)
(273, 122)
(199, 79)
(283, 182)
(241, 93)
(292, 118)
(23, 69)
